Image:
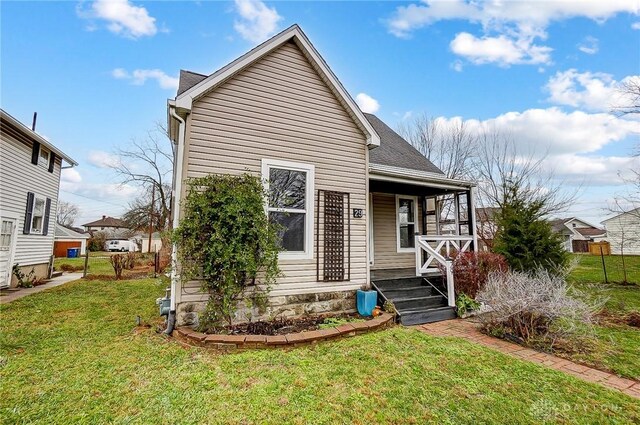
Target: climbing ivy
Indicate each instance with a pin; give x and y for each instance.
(225, 240)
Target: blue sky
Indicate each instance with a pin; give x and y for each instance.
(99, 73)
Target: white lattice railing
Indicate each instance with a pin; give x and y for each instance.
(438, 250)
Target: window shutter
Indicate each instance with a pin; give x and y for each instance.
(52, 161)
(45, 224)
(28, 213)
(35, 153)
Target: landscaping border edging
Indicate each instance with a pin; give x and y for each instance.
(240, 342)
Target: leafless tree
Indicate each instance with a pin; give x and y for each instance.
(448, 144)
(67, 213)
(149, 164)
(628, 101)
(148, 209)
(500, 164)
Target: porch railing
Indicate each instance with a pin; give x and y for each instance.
(439, 250)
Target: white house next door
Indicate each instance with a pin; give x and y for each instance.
(7, 236)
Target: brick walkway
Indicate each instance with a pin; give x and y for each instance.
(469, 331)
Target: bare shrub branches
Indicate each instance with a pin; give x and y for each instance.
(534, 306)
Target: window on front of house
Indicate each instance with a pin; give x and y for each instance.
(406, 222)
(290, 204)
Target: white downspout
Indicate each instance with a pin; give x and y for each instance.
(176, 207)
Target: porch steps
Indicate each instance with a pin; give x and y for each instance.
(416, 301)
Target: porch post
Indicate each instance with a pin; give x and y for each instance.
(418, 255)
(471, 201)
(451, 296)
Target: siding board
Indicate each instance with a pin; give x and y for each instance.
(280, 108)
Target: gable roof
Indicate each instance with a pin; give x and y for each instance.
(107, 222)
(64, 232)
(394, 151)
(20, 131)
(590, 231)
(186, 96)
(635, 212)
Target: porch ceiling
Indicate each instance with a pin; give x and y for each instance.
(382, 186)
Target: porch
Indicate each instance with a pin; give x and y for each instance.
(418, 222)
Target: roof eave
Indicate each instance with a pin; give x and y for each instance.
(38, 138)
(409, 176)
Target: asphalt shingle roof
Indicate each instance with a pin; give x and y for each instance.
(188, 79)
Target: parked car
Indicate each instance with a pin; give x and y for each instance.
(121, 245)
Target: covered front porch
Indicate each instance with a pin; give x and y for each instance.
(418, 221)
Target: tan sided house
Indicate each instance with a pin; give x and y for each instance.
(369, 212)
(30, 169)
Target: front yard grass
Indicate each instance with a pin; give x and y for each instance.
(616, 345)
(73, 355)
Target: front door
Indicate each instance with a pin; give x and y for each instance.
(7, 236)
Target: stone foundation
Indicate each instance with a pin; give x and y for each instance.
(287, 306)
(41, 272)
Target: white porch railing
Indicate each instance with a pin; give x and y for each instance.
(438, 250)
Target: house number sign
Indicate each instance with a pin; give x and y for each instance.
(358, 213)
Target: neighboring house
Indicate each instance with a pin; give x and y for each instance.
(576, 233)
(30, 169)
(486, 226)
(280, 112)
(66, 238)
(105, 224)
(623, 232)
(142, 241)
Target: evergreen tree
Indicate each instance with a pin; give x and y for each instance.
(525, 238)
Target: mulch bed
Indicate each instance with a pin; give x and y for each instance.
(283, 326)
(629, 319)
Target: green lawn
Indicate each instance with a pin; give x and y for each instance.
(616, 345)
(589, 268)
(72, 355)
(99, 263)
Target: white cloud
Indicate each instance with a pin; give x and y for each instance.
(592, 169)
(103, 159)
(595, 91)
(367, 103)
(509, 28)
(589, 45)
(257, 21)
(561, 132)
(139, 76)
(635, 26)
(457, 66)
(122, 17)
(70, 175)
(501, 50)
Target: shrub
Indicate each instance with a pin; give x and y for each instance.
(25, 280)
(533, 306)
(471, 270)
(226, 241)
(525, 237)
(119, 262)
(96, 242)
(466, 304)
(70, 268)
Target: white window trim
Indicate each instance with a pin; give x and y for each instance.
(267, 164)
(44, 212)
(415, 218)
(42, 161)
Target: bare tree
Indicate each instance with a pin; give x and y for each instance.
(148, 209)
(448, 144)
(67, 213)
(628, 101)
(149, 164)
(499, 164)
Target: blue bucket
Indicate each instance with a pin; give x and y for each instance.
(366, 301)
(73, 252)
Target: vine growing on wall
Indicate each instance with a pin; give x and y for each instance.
(225, 240)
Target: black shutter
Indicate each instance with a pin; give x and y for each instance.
(35, 153)
(52, 161)
(45, 224)
(28, 213)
